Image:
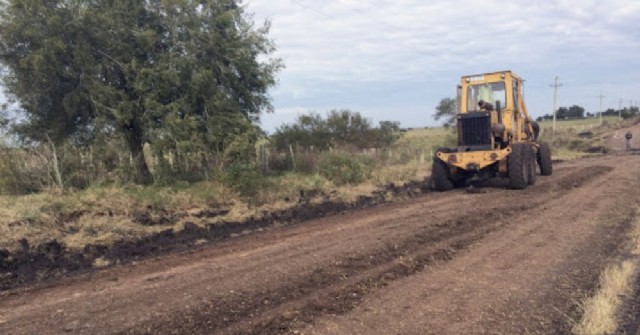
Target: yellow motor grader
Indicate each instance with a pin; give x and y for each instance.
(496, 136)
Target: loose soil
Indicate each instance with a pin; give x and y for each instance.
(51, 260)
(497, 261)
(629, 315)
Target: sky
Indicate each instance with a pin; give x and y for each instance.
(395, 60)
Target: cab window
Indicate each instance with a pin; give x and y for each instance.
(490, 93)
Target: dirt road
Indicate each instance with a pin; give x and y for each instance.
(497, 261)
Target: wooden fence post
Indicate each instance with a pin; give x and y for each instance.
(293, 158)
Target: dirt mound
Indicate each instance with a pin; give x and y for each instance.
(53, 259)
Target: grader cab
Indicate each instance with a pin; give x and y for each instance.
(496, 135)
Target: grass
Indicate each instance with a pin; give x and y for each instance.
(103, 215)
(616, 281)
(567, 142)
(579, 124)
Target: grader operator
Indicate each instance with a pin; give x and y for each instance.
(496, 136)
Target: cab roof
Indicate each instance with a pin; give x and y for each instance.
(513, 74)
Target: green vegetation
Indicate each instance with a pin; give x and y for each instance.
(578, 112)
(188, 77)
(446, 110)
(340, 129)
(573, 112)
(343, 168)
(110, 212)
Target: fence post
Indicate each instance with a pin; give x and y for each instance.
(263, 159)
(293, 159)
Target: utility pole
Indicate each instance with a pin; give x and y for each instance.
(601, 97)
(555, 86)
(620, 108)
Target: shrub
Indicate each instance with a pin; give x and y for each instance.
(306, 162)
(246, 179)
(21, 173)
(279, 162)
(344, 168)
(340, 128)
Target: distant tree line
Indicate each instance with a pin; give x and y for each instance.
(573, 112)
(625, 113)
(578, 112)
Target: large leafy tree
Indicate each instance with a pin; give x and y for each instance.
(169, 72)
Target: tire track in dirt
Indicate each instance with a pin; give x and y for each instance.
(559, 308)
(53, 260)
(339, 288)
(528, 278)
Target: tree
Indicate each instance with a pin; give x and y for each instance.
(309, 130)
(572, 112)
(389, 132)
(160, 71)
(446, 110)
(348, 128)
(340, 128)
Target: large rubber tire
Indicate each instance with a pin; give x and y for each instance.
(518, 166)
(544, 159)
(531, 176)
(440, 174)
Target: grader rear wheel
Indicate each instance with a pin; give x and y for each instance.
(440, 173)
(518, 166)
(544, 159)
(531, 160)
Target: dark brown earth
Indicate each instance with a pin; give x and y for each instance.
(51, 260)
(498, 261)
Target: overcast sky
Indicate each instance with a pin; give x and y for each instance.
(395, 60)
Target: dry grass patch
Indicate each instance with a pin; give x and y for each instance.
(101, 262)
(103, 216)
(101, 230)
(399, 174)
(600, 310)
(575, 139)
(98, 215)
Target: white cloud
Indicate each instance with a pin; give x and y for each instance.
(339, 48)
